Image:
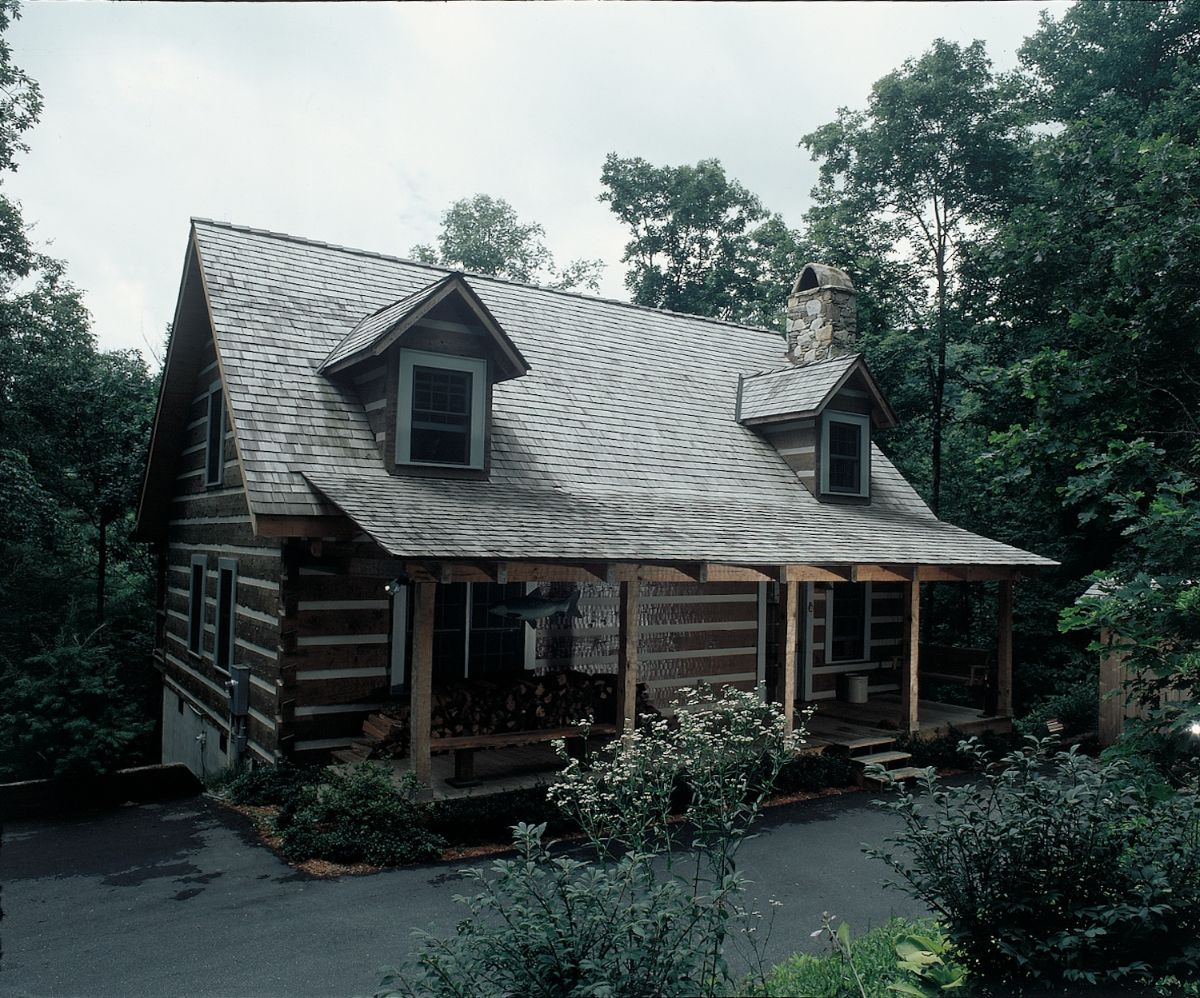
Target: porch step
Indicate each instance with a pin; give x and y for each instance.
(856, 747)
(905, 774)
(884, 759)
(353, 754)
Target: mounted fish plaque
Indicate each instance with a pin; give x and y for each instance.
(535, 606)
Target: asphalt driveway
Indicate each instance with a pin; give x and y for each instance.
(180, 899)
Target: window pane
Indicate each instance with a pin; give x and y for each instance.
(215, 467)
(849, 622)
(224, 645)
(845, 457)
(441, 416)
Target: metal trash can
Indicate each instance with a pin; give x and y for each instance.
(856, 687)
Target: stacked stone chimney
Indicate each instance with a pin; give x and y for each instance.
(821, 319)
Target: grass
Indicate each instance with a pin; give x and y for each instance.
(829, 976)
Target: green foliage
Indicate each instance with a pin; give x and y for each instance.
(949, 751)
(1078, 709)
(642, 914)
(67, 712)
(812, 772)
(873, 956)
(359, 815)
(930, 959)
(470, 821)
(278, 784)
(700, 242)
(482, 234)
(1057, 870)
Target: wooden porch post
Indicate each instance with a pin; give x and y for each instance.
(421, 703)
(627, 656)
(1004, 613)
(789, 624)
(910, 718)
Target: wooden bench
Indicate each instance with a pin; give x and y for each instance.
(969, 666)
(464, 747)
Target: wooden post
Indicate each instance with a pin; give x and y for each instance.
(910, 692)
(789, 633)
(421, 697)
(1004, 613)
(627, 656)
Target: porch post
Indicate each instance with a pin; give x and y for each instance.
(1004, 613)
(789, 623)
(421, 702)
(910, 717)
(627, 657)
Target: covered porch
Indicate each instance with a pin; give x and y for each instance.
(790, 586)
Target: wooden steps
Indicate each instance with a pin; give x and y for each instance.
(892, 760)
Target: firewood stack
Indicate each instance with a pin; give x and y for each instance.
(507, 703)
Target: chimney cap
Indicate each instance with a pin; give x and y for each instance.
(821, 275)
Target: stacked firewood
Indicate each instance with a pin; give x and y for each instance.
(500, 704)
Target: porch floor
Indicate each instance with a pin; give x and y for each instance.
(847, 725)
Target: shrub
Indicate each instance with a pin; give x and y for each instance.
(1078, 708)
(947, 751)
(639, 917)
(813, 772)
(468, 821)
(1056, 870)
(873, 956)
(278, 784)
(358, 815)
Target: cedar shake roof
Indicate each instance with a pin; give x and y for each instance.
(796, 391)
(621, 441)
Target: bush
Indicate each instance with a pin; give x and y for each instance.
(813, 771)
(359, 815)
(1057, 870)
(1078, 708)
(469, 821)
(278, 784)
(638, 919)
(947, 751)
(873, 955)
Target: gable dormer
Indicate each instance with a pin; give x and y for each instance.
(821, 410)
(423, 368)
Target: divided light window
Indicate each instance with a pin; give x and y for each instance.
(214, 451)
(845, 449)
(440, 416)
(226, 611)
(199, 569)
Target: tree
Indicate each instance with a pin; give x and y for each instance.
(483, 234)
(928, 165)
(700, 242)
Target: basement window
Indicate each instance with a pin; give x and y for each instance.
(845, 454)
(214, 451)
(441, 415)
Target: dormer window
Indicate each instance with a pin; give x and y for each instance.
(845, 454)
(441, 410)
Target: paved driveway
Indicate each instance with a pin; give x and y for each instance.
(180, 899)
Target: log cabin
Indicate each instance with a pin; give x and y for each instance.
(356, 458)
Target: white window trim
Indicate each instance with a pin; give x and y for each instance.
(213, 389)
(231, 565)
(198, 561)
(864, 452)
(867, 596)
(475, 366)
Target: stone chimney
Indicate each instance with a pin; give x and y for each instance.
(821, 320)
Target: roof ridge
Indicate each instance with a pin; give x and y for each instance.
(305, 241)
(857, 355)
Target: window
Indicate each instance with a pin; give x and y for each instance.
(848, 617)
(196, 602)
(440, 416)
(845, 454)
(214, 461)
(226, 610)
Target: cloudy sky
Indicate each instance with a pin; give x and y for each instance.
(359, 123)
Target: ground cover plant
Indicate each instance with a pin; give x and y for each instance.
(647, 906)
(869, 966)
(1056, 870)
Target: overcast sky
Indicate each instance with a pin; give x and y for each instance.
(359, 123)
